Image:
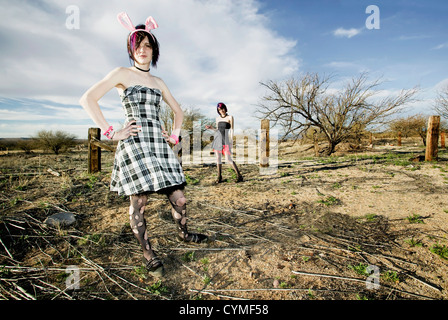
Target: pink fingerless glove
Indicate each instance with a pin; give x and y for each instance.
(109, 133)
(175, 138)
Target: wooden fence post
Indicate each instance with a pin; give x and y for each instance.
(94, 146)
(264, 143)
(432, 139)
(94, 156)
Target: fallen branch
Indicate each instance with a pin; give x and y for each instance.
(6, 249)
(357, 280)
(421, 281)
(216, 295)
(328, 276)
(98, 267)
(25, 294)
(188, 268)
(209, 249)
(136, 286)
(212, 291)
(53, 172)
(228, 263)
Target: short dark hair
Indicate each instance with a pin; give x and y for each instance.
(221, 105)
(134, 42)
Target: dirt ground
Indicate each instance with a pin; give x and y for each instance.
(362, 224)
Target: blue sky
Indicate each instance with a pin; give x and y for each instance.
(211, 51)
(410, 48)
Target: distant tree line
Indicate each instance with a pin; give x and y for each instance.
(413, 126)
(55, 141)
(60, 141)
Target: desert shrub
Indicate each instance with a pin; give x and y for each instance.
(27, 145)
(55, 141)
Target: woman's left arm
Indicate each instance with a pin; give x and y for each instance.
(174, 105)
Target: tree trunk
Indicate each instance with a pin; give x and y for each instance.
(329, 150)
(316, 143)
(423, 136)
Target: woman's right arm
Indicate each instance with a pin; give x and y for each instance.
(211, 128)
(89, 101)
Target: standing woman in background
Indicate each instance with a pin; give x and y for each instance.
(222, 141)
(144, 162)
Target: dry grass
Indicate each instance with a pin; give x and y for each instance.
(307, 232)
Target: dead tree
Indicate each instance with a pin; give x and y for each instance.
(298, 105)
(441, 103)
(411, 126)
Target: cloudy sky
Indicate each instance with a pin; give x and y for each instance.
(211, 51)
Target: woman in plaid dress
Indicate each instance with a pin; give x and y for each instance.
(223, 140)
(144, 162)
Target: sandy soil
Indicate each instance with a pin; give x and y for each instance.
(318, 228)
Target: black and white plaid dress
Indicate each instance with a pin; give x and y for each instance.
(144, 163)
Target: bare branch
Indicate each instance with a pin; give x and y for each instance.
(441, 103)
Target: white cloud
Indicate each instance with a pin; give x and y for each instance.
(210, 51)
(347, 65)
(347, 33)
(442, 85)
(441, 46)
(20, 115)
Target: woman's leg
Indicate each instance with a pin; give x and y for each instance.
(179, 212)
(219, 166)
(235, 168)
(138, 226)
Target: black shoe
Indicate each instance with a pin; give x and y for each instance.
(155, 266)
(194, 238)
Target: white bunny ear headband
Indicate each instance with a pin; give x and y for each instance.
(125, 21)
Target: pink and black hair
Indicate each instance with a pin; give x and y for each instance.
(221, 105)
(136, 38)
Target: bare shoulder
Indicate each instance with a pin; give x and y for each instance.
(119, 74)
(119, 71)
(119, 77)
(160, 82)
(162, 86)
